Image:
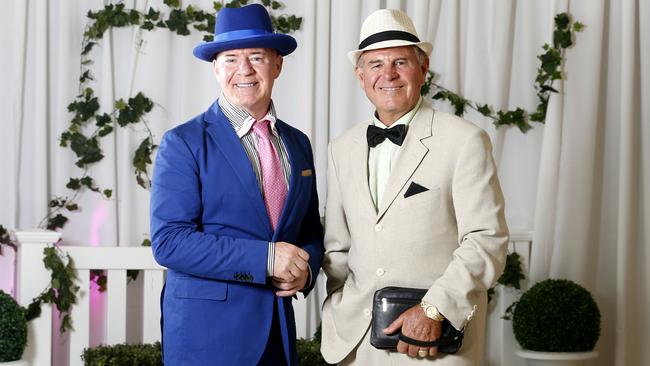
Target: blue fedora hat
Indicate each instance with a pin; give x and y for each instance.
(245, 27)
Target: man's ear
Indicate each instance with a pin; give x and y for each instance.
(359, 72)
(279, 60)
(425, 66)
(215, 70)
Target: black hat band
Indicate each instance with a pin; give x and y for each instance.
(388, 36)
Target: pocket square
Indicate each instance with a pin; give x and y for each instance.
(414, 189)
(306, 173)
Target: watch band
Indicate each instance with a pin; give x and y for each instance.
(431, 311)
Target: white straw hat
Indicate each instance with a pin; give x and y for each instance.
(387, 28)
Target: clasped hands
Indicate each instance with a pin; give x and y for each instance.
(415, 324)
(290, 269)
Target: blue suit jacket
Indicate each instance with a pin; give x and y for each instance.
(210, 229)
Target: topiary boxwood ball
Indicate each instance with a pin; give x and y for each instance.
(556, 316)
(13, 329)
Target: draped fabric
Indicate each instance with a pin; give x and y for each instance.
(579, 182)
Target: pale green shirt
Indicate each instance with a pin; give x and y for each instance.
(382, 156)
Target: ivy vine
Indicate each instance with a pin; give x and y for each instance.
(512, 275)
(5, 239)
(61, 291)
(549, 71)
(89, 125)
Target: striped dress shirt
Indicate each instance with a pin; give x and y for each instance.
(243, 122)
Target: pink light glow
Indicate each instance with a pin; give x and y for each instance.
(98, 219)
(7, 270)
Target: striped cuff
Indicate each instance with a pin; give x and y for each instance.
(270, 259)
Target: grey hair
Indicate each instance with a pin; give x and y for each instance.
(421, 56)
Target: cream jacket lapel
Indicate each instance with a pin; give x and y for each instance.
(408, 159)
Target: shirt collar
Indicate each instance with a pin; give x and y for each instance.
(243, 122)
(404, 120)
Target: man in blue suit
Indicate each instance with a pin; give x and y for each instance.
(234, 210)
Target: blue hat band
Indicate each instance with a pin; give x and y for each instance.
(238, 34)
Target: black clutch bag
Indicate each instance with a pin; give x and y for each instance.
(389, 303)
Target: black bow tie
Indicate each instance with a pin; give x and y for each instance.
(376, 135)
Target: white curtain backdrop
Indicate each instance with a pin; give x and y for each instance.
(579, 182)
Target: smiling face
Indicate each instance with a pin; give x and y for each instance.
(391, 78)
(246, 77)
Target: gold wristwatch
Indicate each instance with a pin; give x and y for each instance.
(431, 311)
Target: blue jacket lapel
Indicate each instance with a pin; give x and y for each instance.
(293, 152)
(228, 142)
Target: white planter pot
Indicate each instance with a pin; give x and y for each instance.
(15, 363)
(534, 358)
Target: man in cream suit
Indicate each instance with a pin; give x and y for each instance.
(413, 201)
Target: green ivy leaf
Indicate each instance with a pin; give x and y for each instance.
(172, 3)
(72, 207)
(484, 110)
(147, 25)
(105, 131)
(88, 47)
(146, 243)
(73, 184)
(90, 153)
(102, 120)
(177, 22)
(513, 273)
(132, 274)
(513, 118)
(84, 107)
(458, 102)
(87, 182)
(441, 95)
(578, 27)
(562, 20)
(56, 222)
(120, 104)
(142, 156)
(562, 38)
(85, 76)
(152, 14)
(108, 193)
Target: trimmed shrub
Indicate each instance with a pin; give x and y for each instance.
(557, 316)
(13, 329)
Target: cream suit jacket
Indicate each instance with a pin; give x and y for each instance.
(451, 238)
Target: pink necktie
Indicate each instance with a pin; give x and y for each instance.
(273, 182)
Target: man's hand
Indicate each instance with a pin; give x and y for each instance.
(290, 269)
(415, 324)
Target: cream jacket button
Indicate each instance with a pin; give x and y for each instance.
(378, 227)
(380, 272)
(367, 312)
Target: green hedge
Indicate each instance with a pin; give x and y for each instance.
(123, 355)
(150, 355)
(13, 329)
